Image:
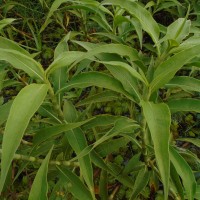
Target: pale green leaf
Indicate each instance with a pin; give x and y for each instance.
(39, 187)
(64, 60)
(167, 69)
(194, 141)
(108, 147)
(53, 8)
(53, 131)
(197, 194)
(186, 105)
(5, 22)
(176, 181)
(158, 119)
(141, 181)
(23, 108)
(185, 82)
(122, 126)
(185, 172)
(78, 142)
(178, 30)
(143, 16)
(75, 186)
(4, 110)
(95, 79)
(114, 170)
(103, 96)
(96, 49)
(19, 58)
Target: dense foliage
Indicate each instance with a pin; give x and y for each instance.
(100, 99)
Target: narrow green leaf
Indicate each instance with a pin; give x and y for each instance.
(96, 49)
(194, 141)
(197, 194)
(102, 120)
(75, 186)
(176, 181)
(59, 79)
(24, 106)
(19, 58)
(167, 69)
(143, 16)
(64, 60)
(178, 30)
(185, 82)
(78, 142)
(49, 132)
(127, 76)
(96, 79)
(100, 97)
(5, 22)
(122, 125)
(185, 172)
(69, 111)
(114, 170)
(108, 147)
(39, 187)
(103, 185)
(141, 181)
(53, 8)
(133, 164)
(187, 105)
(158, 119)
(62, 46)
(4, 110)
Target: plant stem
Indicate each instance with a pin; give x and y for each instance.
(143, 135)
(56, 106)
(51, 162)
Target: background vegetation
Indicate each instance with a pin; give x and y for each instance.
(99, 99)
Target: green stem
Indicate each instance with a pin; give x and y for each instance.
(51, 162)
(54, 101)
(143, 135)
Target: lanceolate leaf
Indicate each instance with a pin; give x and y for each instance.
(53, 8)
(143, 16)
(194, 141)
(141, 181)
(123, 125)
(176, 181)
(190, 105)
(11, 45)
(158, 119)
(5, 22)
(75, 186)
(64, 60)
(185, 172)
(166, 70)
(4, 110)
(19, 58)
(49, 132)
(104, 96)
(78, 142)
(96, 79)
(74, 57)
(24, 106)
(39, 187)
(185, 82)
(98, 50)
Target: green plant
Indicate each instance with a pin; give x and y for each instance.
(90, 153)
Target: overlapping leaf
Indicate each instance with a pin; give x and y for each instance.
(158, 119)
(24, 106)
